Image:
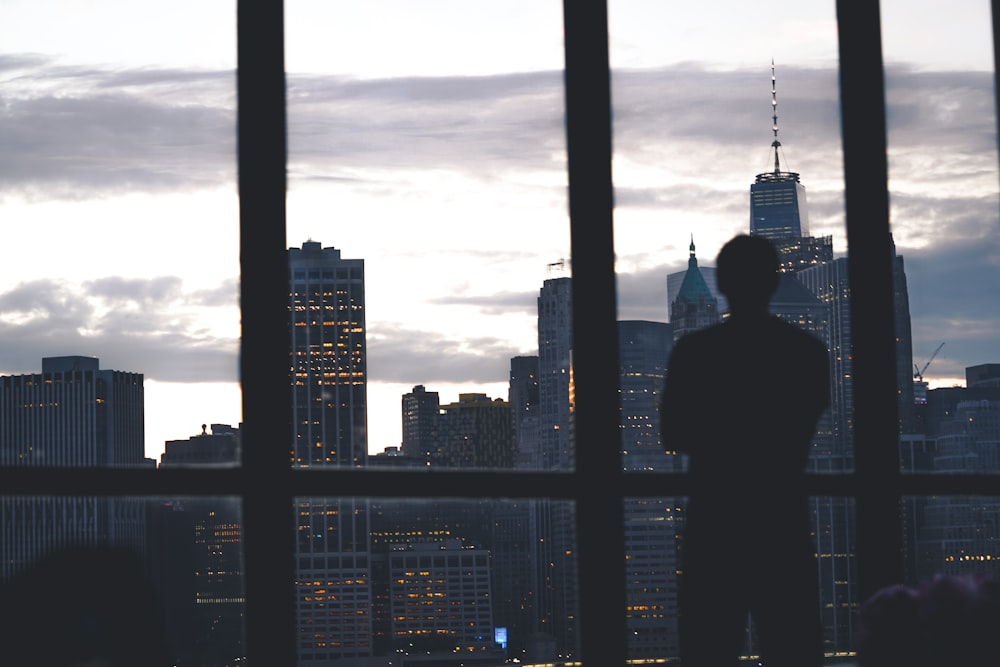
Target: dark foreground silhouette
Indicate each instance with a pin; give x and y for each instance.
(742, 399)
(947, 620)
(82, 606)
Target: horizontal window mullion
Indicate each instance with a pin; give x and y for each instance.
(445, 484)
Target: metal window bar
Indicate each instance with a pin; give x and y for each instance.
(266, 483)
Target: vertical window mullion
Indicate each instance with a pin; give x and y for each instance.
(862, 95)
(599, 506)
(266, 482)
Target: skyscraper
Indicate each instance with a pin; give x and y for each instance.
(420, 422)
(651, 524)
(196, 559)
(555, 354)
(695, 306)
(477, 432)
(778, 209)
(555, 521)
(72, 414)
(326, 305)
(523, 398)
(643, 350)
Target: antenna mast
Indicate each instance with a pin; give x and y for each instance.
(777, 175)
(774, 120)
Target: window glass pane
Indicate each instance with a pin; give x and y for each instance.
(719, 133)
(711, 142)
(943, 186)
(138, 580)
(428, 224)
(655, 561)
(121, 225)
(443, 581)
(430, 319)
(952, 536)
(119, 316)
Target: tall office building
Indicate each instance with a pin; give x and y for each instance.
(555, 355)
(420, 409)
(196, 557)
(652, 525)
(522, 395)
(326, 307)
(555, 521)
(778, 210)
(477, 432)
(441, 602)
(643, 350)
(328, 358)
(695, 306)
(72, 414)
(403, 525)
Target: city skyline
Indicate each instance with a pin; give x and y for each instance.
(120, 181)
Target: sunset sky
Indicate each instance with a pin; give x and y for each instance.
(427, 138)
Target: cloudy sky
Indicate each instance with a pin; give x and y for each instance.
(427, 139)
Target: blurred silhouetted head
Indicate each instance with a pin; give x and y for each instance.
(747, 273)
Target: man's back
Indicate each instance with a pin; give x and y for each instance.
(742, 398)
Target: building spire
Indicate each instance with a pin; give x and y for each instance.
(774, 121)
(777, 175)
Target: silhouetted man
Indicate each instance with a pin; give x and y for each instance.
(742, 399)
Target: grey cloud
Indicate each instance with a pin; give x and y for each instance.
(410, 356)
(86, 132)
(492, 304)
(477, 125)
(118, 289)
(642, 295)
(132, 325)
(226, 294)
(78, 133)
(953, 298)
(156, 129)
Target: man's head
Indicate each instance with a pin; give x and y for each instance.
(747, 273)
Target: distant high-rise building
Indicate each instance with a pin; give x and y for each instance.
(523, 398)
(399, 525)
(652, 525)
(421, 413)
(72, 414)
(328, 361)
(983, 376)
(218, 443)
(326, 304)
(676, 279)
(477, 432)
(555, 355)
(554, 523)
(778, 210)
(907, 412)
(196, 557)
(643, 350)
(440, 602)
(777, 198)
(695, 306)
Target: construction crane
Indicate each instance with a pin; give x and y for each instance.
(918, 374)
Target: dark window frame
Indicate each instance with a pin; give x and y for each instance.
(266, 484)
